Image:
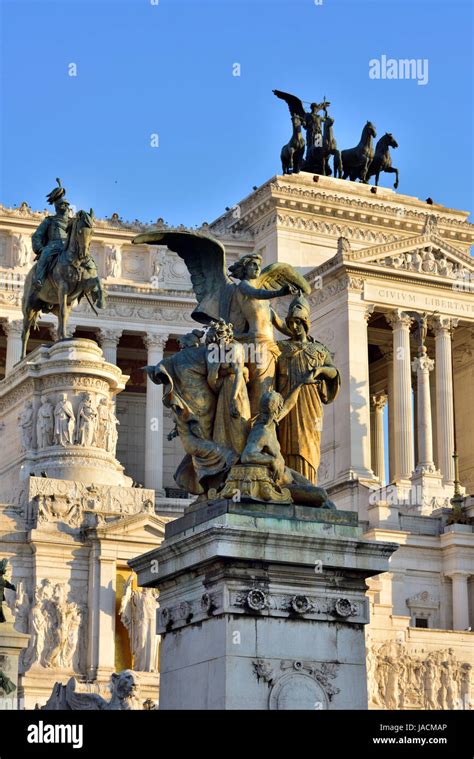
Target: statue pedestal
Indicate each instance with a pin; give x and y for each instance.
(36, 444)
(11, 644)
(262, 607)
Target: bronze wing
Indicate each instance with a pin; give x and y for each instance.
(276, 275)
(294, 104)
(204, 257)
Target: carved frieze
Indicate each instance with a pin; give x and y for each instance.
(399, 678)
(81, 506)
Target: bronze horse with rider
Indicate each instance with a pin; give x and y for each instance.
(71, 274)
(358, 163)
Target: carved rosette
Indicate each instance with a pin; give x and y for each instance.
(260, 601)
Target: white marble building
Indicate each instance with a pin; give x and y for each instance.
(376, 260)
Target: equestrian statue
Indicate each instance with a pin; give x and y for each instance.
(64, 271)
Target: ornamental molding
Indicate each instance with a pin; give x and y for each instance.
(344, 282)
(332, 269)
(307, 224)
(380, 206)
(422, 600)
(260, 601)
(419, 244)
(287, 680)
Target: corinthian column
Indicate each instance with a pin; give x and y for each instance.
(108, 341)
(423, 365)
(13, 331)
(402, 398)
(377, 439)
(442, 326)
(155, 344)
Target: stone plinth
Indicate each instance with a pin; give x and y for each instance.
(262, 607)
(11, 644)
(74, 442)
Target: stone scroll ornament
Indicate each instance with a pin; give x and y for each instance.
(64, 271)
(360, 162)
(222, 390)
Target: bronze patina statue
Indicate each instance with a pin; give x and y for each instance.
(330, 148)
(292, 153)
(64, 272)
(300, 431)
(312, 122)
(356, 161)
(4, 584)
(222, 391)
(382, 160)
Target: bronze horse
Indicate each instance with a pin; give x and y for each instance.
(72, 275)
(382, 160)
(330, 148)
(356, 160)
(292, 153)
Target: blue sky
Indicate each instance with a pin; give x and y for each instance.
(167, 69)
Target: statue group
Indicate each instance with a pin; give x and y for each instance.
(247, 408)
(93, 425)
(360, 162)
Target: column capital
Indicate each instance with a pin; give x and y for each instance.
(442, 324)
(155, 340)
(399, 319)
(422, 363)
(368, 311)
(13, 327)
(109, 336)
(460, 574)
(378, 401)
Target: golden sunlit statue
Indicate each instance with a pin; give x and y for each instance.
(247, 409)
(299, 431)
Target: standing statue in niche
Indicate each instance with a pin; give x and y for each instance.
(138, 615)
(222, 392)
(45, 423)
(86, 424)
(25, 423)
(299, 432)
(102, 422)
(113, 261)
(64, 421)
(4, 583)
(111, 436)
(21, 251)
